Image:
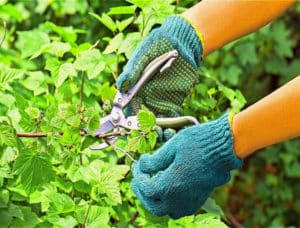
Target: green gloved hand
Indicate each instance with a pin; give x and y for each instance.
(165, 92)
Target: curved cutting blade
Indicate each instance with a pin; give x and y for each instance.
(105, 126)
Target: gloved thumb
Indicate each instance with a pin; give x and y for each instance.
(158, 161)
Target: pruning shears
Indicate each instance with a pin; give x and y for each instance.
(120, 124)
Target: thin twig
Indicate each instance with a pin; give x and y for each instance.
(123, 151)
(133, 218)
(94, 45)
(82, 133)
(86, 216)
(176, 6)
(81, 91)
(234, 222)
(3, 38)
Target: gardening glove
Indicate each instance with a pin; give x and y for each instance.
(178, 178)
(165, 92)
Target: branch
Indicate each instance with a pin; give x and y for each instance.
(3, 38)
(133, 218)
(234, 222)
(123, 151)
(86, 215)
(82, 133)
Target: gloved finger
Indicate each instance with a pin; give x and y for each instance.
(184, 211)
(160, 133)
(154, 206)
(168, 133)
(158, 161)
(135, 66)
(137, 172)
(151, 187)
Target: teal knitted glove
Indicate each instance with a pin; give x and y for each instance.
(165, 92)
(180, 176)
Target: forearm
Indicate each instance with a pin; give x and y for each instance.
(223, 21)
(271, 120)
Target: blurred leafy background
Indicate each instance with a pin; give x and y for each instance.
(45, 37)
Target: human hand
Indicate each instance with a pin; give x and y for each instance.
(178, 178)
(165, 92)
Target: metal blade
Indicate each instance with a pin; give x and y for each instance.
(105, 126)
(99, 146)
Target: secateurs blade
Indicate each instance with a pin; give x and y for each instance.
(119, 124)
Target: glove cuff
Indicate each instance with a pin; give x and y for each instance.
(220, 148)
(185, 38)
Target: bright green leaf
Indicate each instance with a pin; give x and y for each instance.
(118, 10)
(30, 42)
(65, 70)
(34, 170)
(106, 20)
(146, 120)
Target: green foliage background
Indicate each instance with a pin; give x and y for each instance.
(50, 46)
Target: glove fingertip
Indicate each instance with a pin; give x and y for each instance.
(168, 134)
(123, 81)
(147, 165)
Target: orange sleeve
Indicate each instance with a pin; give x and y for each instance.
(271, 120)
(223, 21)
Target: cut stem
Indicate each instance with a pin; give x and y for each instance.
(3, 38)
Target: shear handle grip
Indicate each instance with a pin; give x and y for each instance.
(176, 122)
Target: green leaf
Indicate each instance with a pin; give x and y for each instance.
(91, 62)
(29, 219)
(93, 216)
(209, 220)
(123, 24)
(4, 198)
(68, 34)
(210, 206)
(293, 170)
(146, 120)
(33, 112)
(53, 65)
(67, 221)
(135, 139)
(7, 99)
(114, 44)
(152, 137)
(118, 10)
(56, 48)
(65, 70)
(30, 42)
(9, 75)
(129, 44)
(94, 122)
(34, 170)
(7, 135)
(68, 113)
(60, 203)
(105, 180)
(246, 53)
(36, 82)
(15, 211)
(63, 184)
(107, 92)
(106, 20)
